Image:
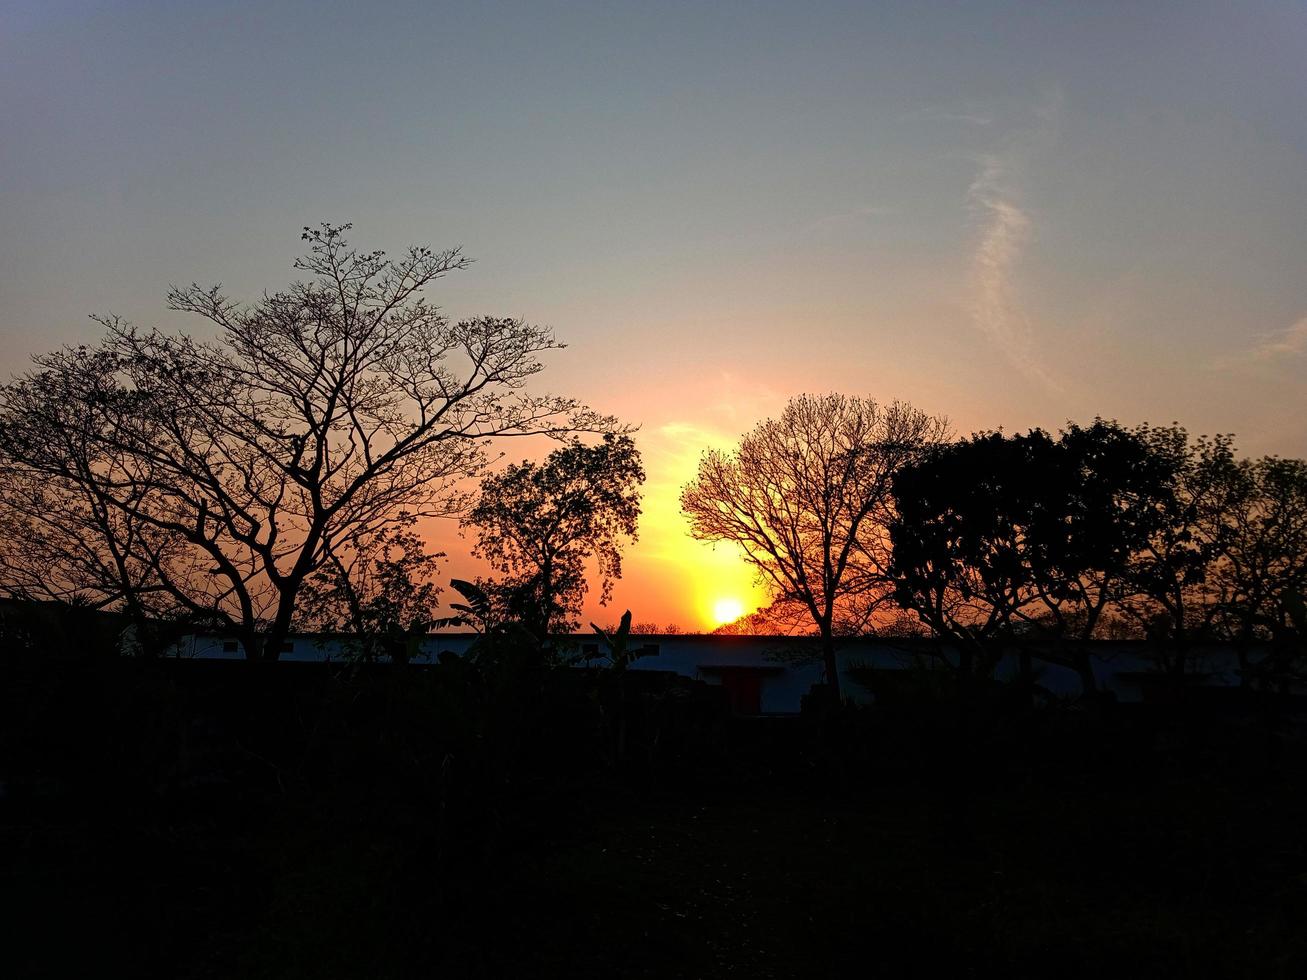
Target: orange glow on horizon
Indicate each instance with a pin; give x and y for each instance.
(671, 577)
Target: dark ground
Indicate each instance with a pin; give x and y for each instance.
(1173, 883)
(782, 849)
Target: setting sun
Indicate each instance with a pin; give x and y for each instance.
(727, 610)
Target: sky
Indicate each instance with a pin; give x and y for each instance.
(1012, 214)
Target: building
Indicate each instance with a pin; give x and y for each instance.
(770, 675)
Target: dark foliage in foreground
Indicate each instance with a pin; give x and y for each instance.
(177, 818)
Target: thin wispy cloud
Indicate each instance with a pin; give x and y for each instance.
(1287, 344)
(1005, 231)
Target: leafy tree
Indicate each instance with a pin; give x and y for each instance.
(1102, 504)
(806, 496)
(215, 478)
(1167, 588)
(380, 588)
(540, 524)
(963, 559)
(998, 536)
(1261, 573)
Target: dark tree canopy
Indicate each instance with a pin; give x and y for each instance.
(806, 496)
(1263, 571)
(540, 525)
(998, 535)
(1257, 587)
(169, 475)
(1167, 589)
(1227, 556)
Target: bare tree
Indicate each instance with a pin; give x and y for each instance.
(807, 498)
(215, 477)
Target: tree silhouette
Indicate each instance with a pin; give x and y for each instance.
(1102, 501)
(1167, 589)
(807, 498)
(1260, 577)
(539, 524)
(213, 478)
(379, 588)
(963, 559)
(1025, 535)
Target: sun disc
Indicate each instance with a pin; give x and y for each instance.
(727, 610)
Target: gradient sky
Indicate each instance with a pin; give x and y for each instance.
(1012, 214)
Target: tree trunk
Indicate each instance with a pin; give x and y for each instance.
(276, 635)
(253, 643)
(831, 666)
(1245, 666)
(1177, 671)
(965, 660)
(1085, 668)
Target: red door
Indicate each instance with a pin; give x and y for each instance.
(744, 689)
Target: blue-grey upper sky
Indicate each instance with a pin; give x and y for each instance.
(1012, 213)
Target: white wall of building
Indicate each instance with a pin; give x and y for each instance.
(783, 680)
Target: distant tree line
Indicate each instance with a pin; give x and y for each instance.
(856, 514)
